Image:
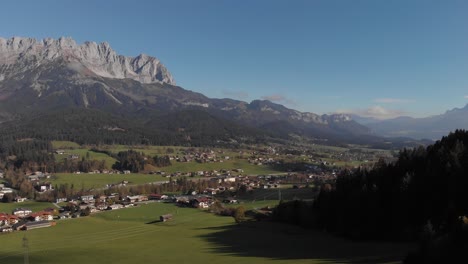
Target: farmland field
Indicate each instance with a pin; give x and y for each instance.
(98, 180)
(135, 236)
(34, 206)
(231, 163)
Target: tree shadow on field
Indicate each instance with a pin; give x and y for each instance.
(154, 222)
(278, 241)
(19, 259)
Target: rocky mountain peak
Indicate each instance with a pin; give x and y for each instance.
(101, 59)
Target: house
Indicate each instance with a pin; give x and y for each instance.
(40, 216)
(73, 156)
(166, 217)
(230, 179)
(76, 215)
(44, 187)
(155, 196)
(33, 178)
(59, 200)
(201, 202)
(7, 220)
(230, 200)
(6, 190)
(102, 198)
(19, 199)
(64, 215)
(126, 172)
(18, 226)
(210, 191)
(6, 229)
(101, 207)
(21, 212)
(35, 225)
(137, 198)
(114, 207)
(83, 206)
(87, 198)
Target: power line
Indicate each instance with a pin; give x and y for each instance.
(26, 249)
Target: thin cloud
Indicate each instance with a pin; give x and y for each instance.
(393, 100)
(376, 111)
(241, 95)
(466, 96)
(278, 98)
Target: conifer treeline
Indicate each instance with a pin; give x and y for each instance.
(395, 201)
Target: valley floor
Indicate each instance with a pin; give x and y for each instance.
(135, 235)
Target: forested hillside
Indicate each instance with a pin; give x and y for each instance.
(420, 197)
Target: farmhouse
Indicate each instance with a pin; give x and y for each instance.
(6, 219)
(64, 215)
(157, 197)
(60, 151)
(40, 216)
(19, 199)
(6, 229)
(87, 198)
(230, 200)
(137, 198)
(59, 200)
(201, 202)
(35, 225)
(114, 207)
(21, 212)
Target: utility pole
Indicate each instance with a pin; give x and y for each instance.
(279, 195)
(26, 249)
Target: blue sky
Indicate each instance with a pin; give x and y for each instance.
(378, 58)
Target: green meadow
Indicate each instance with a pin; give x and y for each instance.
(135, 235)
(33, 205)
(99, 180)
(88, 154)
(232, 163)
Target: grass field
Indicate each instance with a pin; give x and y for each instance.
(248, 168)
(82, 152)
(275, 194)
(34, 206)
(56, 144)
(232, 163)
(89, 181)
(135, 236)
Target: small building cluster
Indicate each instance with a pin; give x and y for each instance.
(25, 219)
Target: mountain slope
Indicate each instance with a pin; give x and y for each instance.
(19, 54)
(44, 78)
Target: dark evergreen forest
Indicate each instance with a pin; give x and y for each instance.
(420, 197)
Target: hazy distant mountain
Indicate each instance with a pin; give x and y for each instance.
(433, 127)
(363, 120)
(41, 78)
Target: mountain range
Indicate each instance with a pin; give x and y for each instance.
(433, 127)
(57, 89)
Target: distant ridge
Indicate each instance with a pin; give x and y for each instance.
(433, 127)
(40, 80)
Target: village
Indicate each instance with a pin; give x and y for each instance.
(224, 189)
(222, 185)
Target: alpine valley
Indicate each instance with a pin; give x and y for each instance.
(55, 89)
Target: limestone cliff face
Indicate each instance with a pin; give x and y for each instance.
(20, 54)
